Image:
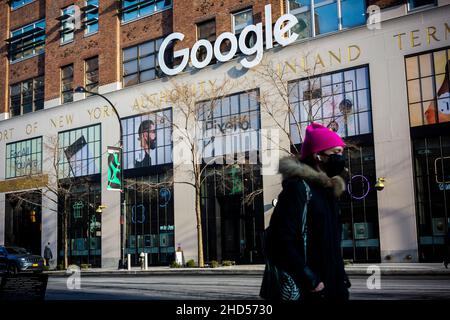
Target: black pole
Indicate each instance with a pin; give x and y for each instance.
(83, 90)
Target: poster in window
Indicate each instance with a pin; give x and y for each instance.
(428, 88)
(147, 140)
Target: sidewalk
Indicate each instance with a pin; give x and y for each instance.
(257, 270)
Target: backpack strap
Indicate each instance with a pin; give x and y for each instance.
(304, 217)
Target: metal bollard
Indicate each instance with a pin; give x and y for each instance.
(129, 262)
(146, 261)
(141, 260)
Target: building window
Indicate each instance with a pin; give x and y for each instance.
(19, 3)
(27, 41)
(27, 96)
(67, 83)
(150, 217)
(147, 139)
(134, 9)
(427, 77)
(24, 158)
(325, 16)
(91, 16)
(229, 125)
(432, 185)
(339, 100)
(206, 30)
(79, 152)
(91, 80)
(67, 24)
(415, 4)
(140, 63)
(241, 20)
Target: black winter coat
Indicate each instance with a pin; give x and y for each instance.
(285, 246)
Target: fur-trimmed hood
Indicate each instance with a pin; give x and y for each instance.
(292, 167)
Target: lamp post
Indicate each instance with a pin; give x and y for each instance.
(81, 89)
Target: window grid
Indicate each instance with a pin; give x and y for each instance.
(67, 25)
(229, 111)
(326, 15)
(27, 96)
(67, 83)
(135, 9)
(426, 75)
(15, 4)
(26, 153)
(91, 74)
(86, 157)
(140, 63)
(347, 92)
(29, 45)
(91, 18)
(133, 151)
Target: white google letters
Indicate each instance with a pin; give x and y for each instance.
(280, 32)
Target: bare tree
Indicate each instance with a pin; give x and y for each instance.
(189, 112)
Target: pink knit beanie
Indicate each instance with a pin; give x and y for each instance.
(319, 138)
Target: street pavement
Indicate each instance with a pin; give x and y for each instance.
(231, 287)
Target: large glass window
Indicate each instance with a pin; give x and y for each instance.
(91, 69)
(24, 158)
(232, 213)
(140, 63)
(432, 183)
(23, 220)
(84, 229)
(91, 16)
(27, 96)
(414, 4)
(229, 125)
(67, 84)
(150, 218)
(27, 41)
(338, 100)
(19, 3)
(134, 9)
(79, 152)
(427, 77)
(67, 24)
(359, 210)
(326, 16)
(147, 139)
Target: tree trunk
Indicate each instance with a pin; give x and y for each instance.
(65, 235)
(198, 211)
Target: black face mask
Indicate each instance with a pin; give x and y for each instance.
(335, 164)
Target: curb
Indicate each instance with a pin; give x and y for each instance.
(225, 272)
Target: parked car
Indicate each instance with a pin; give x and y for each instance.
(16, 259)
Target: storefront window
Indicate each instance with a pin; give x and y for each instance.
(23, 220)
(359, 210)
(84, 230)
(338, 100)
(147, 139)
(427, 77)
(232, 213)
(24, 158)
(79, 152)
(150, 217)
(432, 183)
(229, 125)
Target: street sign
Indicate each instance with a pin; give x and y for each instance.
(114, 169)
